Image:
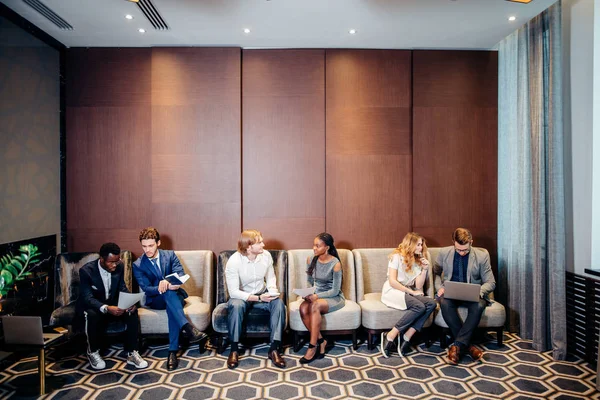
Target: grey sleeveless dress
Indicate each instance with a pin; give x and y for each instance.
(328, 284)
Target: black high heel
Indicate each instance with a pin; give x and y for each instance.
(305, 360)
(319, 343)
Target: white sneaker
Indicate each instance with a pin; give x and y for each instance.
(136, 360)
(96, 360)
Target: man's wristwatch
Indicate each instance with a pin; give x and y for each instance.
(259, 299)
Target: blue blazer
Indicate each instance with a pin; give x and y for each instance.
(148, 278)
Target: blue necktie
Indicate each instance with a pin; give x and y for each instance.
(156, 266)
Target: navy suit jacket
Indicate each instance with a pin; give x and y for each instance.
(148, 278)
(91, 287)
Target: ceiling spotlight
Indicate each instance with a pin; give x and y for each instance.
(352, 31)
(512, 18)
(129, 16)
(141, 30)
(246, 30)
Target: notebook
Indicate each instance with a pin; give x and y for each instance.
(26, 330)
(461, 291)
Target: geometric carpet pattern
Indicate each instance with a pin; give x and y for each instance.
(513, 371)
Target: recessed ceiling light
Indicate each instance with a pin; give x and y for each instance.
(141, 30)
(352, 31)
(246, 30)
(512, 18)
(129, 16)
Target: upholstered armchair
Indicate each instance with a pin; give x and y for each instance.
(372, 264)
(198, 264)
(257, 321)
(344, 321)
(66, 289)
(493, 317)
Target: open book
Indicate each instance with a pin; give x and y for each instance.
(175, 279)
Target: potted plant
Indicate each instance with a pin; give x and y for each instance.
(16, 268)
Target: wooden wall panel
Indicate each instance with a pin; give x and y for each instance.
(196, 172)
(368, 146)
(108, 145)
(455, 134)
(284, 145)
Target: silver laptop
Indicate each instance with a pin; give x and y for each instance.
(461, 291)
(26, 330)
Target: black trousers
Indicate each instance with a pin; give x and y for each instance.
(462, 332)
(96, 323)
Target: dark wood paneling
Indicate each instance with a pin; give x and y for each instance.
(103, 77)
(196, 146)
(368, 146)
(455, 78)
(455, 134)
(284, 145)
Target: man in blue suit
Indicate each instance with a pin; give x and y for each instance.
(150, 271)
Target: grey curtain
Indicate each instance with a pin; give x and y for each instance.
(531, 212)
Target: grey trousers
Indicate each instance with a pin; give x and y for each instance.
(237, 310)
(462, 332)
(418, 309)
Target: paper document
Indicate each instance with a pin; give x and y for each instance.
(304, 292)
(126, 300)
(175, 279)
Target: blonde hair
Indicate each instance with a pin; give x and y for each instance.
(406, 249)
(247, 239)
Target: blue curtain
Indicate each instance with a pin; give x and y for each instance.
(531, 211)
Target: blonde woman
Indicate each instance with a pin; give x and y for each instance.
(407, 273)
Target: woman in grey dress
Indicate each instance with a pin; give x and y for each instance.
(324, 271)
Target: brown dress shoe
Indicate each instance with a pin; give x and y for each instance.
(232, 360)
(453, 355)
(278, 361)
(475, 353)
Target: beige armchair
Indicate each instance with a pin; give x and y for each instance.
(198, 264)
(343, 321)
(371, 267)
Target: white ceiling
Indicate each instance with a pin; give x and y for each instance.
(389, 24)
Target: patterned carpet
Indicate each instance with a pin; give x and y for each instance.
(513, 371)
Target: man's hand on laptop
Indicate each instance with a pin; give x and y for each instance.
(114, 310)
(440, 292)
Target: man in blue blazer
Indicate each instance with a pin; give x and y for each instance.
(150, 271)
(100, 283)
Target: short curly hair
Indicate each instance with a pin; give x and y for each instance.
(108, 249)
(149, 233)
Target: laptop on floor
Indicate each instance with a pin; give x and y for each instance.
(26, 330)
(461, 291)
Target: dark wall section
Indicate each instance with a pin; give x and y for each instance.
(202, 142)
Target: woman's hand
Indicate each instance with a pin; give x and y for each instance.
(311, 298)
(424, 263)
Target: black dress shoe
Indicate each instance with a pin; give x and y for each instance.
(172, 361)
(232, 360)
(305, 360)
(193, 334)
(276, 358)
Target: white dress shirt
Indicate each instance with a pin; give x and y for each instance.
(245, 278)
(106, 278)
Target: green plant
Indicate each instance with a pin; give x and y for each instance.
(16, 268)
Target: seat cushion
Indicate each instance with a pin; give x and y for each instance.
(257, 320)
(156, 321)
(376, 315)
(347, 317)
(64, 316)
(494, 316)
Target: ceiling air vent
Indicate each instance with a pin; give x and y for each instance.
(152, 14)
(49, 14)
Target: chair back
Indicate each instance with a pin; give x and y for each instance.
(374, 265)
(66, 275)
(198, 264)
(279, 266)
(297, 278)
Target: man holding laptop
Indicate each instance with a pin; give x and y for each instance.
(467, 280)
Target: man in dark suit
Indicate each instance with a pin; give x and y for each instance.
(150, 271)
(464, 263)
(101, 282)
